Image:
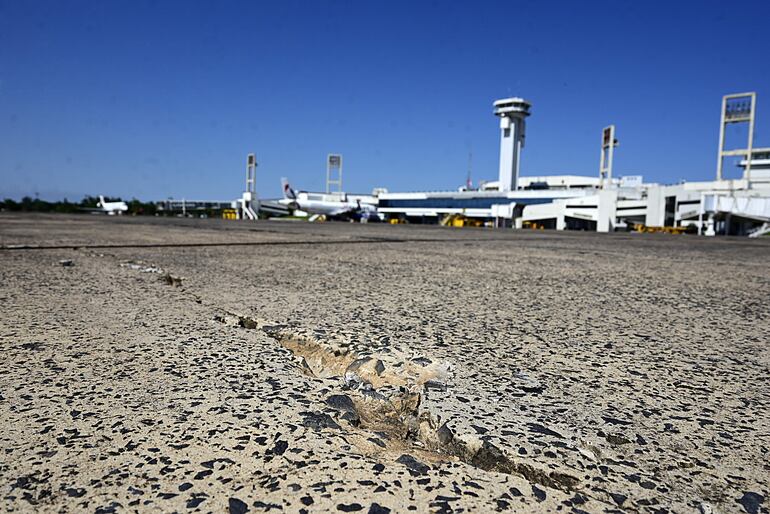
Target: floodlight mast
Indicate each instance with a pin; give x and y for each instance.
(605, 161)
(249, 202)
(251, 173)
(735, 111)
(333, 172)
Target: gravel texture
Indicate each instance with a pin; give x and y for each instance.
(179, 365)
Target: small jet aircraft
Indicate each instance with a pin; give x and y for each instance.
(317, 204)
(111, 208)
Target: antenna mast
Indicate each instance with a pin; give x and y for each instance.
(468, 182)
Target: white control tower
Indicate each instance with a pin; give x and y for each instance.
(512, 112)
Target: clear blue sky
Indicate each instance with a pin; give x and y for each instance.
(160, 98)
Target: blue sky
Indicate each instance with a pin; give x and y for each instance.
(161, 98)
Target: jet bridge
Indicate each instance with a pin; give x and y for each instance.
(724, 208)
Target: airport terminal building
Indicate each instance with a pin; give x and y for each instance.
(603, 203)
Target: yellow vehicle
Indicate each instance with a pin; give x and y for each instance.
(639, 227)
(532, 225)
(458, 220)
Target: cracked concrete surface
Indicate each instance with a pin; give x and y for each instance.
(387, 397)
(635, 365)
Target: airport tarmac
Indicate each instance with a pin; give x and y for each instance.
(155, 364)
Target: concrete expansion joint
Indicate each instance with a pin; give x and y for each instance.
(385, 398)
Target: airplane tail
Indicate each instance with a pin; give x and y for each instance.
(288, 192)
(101, 201)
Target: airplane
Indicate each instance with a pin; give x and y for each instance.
(315, 204)
(111, 208)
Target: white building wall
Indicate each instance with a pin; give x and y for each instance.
(656, 203)
(655, 207)
(607, 210)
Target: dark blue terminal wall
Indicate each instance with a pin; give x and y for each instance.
(457, 203)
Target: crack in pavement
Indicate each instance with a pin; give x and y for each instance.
(367, 240)
(384, 397)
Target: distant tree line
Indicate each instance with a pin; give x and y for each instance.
(29, 204)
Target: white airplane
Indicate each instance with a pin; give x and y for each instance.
(111, 208)
(316, 204)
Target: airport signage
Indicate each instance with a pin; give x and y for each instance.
(631, 181)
